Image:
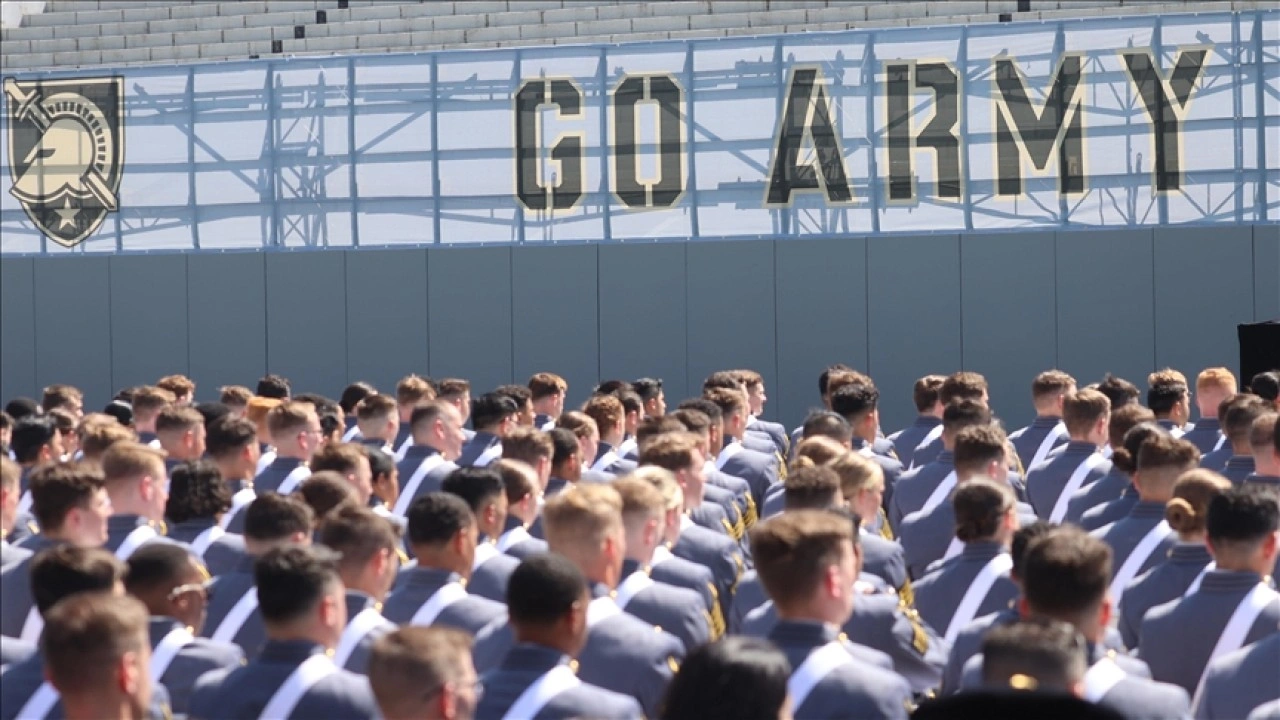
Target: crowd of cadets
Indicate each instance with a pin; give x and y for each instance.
(275, 555)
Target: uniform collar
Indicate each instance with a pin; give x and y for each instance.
(125, 523)
(554, 486)
(1207, 424)
(529, 656)
(602, 447)
(599, 590)
(946, 458)
(927, 421)
(982, 550)
(197, 525)
(1240, 462)
(1167, 424)
(1190, 554)
(1045, 421)
(1146, 509)
(357, 601)
(428, 577)
(1263, 479)
(809, 633)
(512, 523)
(484, 438)
(1079, 447)
(629, 566)
(1226, 581)
(419, 452)
(292, 652)
(158, 626)
(36, 543)
(244, 565)
(283, 463)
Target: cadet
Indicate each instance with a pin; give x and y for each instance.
(1170, 399)
(379, 422)
(70, 502)
(351, 462)
(457, 392)
(1141, 540)
(929, 407)
(737, 677)
(483, 491)
(587, 435)
(271, 521)
(880, 445)
(419, 673)
(1264, 443)
(1237, 423)
(523, 496)
(862, 485)
(1124, 459)
(232, 443)
(534, 448)
(1047, 431)
(727, 491)
(1234, 605)
(551, 614)
(9, 492)
(493, 414)
(1213, 385)
(147, 403)
(975, 582)
(823, 379)
(366, 545)
(302, 606)
(168, 579)
(180, 431)
(524, 403)
(758, 469)
(1116, 483)
(385, 484)
(442, 534)
(197, 497)
(350, 398)
(681, 453)
(136, 483)
(437, 442)
(1216, 460)
(928, 483)
(412, 392)
(622, 653)
(295, 433)
(1037, 655)
(566, 467)
(609, 414)
(1240, 681)
(1078, 463)
(36, 441)
(807, 560)
(958, 386)
(547, 392)
(236, 398)
(753, 382)
(651, 395)
(859, 405)
(1188, 559)
(753, 439)
(93, 641)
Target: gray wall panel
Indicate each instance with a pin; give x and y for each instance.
(469, 306)
(730, 291)
(555, 315)
(914, 308)
(307, 319)
(642, 315)
(17, 328)
(386, 316)
(1197, 285)
(227, 308)
(1266, 272)
(73, 326)
(1106, 314)
(148, 318)
(822, 319)
(1009, 322)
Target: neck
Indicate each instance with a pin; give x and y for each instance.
(640, 551)
(358, 582)
(1194, 538)
(1049, 413)
(548, 637)
(1081, 439)
(291, 452)
(1239, 562)
(295, 633)
(429, 441)
(492, 430)
(373, 434)
(808, 612)
(129, 506)
(1241, 449)
(229, 470)
(614, 439)
(441, 559)
(142, 426)
(97, 708)
(569, 471)
(1263, 465)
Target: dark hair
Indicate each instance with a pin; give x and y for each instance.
(704, 406)
(29, 435)
(564, 444)
(121, 410)
(1239, 417)
(1066, 572)
(810, 487)
(273, 386)
(324, 491)
(211, 411)
(743, 678)
(428, 414)
(825, 375)
(980, 506)
(963, 385)
(228, 435)
(1022, 540)
(291, 581)
(155, 567)
(322, 404)
(824, 423)
(647, 388)
(491, 409)
(380, 463)
(854, 401)
(1245, 513)
(962, 413)
(21, 407)
(85, 637)
(608, 386)
(1265, 385)
(1050, 652)
(196, 490)
(1119, 391)
(64, 570)
(436, 517)
(1125, 457)
(475, 485)
(272, 516)
(356, 534)
(631, 402)
(925, 392)
(57, 488)
(1162, 397)
(353, 394)
(518, 393)
(543, 589)
(1123, 420)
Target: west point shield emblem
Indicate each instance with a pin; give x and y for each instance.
(66, 151)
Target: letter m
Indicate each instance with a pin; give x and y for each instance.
(1023, 131)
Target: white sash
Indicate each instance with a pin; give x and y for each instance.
(660, 555)
(166, 650)
(488, 456)
(411, 487)
(311, 671)
(1222, 440)
(548, 426)
(627, 447)
(205, 539)
(729, 451)
(608, 458)
(1195, 584)
(1137, 558)
(264, 460)
(352, 433)
(294, 479)
(40, 703)
(1106, 451)
(236, 617)
(513, 537)
(32, 626)
(867, 451)
(953, 549)
(543, 690)
(1099, 679)
(140, 534)
(243, 497)
(601, 609)
(154, 444)
(448, 594)
(933, 434)
(820, 663)
(24, 502)
(1073, 484)
(404, 448)
(1177, 432)
(1046, 445)
(940, 493)
(1233, 635)
(996, 568)
(361, 625)
(636, 583)
(485, 551)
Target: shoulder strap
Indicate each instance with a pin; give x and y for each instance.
(954, 549)
(817, 666)
(636, 583)
(243, 497)
(1073, 484)
(493, 452)
(24, 502)
(32, 626)
(610, 457)
(485, 552)
(996, 568)
(448, 594)
(202, 542)
(352, 433)
(940, 493)
(729, 451)
(1046, 445)
(934, 433)
(1222, 440)
(294, 479)
(1195, 584)
(39, 704)
(411, 488)
(660, 555)
(1237, 629)
(1100, 678)
(1132, 564)
(513, 537)
(535, 697)
(140, 534)
(167, 649)
(311, 671)
(601, 609)
(361, 625)
(236, 617)
(404, 448)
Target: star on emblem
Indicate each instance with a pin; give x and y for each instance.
(67, 214)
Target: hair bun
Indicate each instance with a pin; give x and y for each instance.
(1181, 515)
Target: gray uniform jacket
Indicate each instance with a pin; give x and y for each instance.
(926, 536)
(22, 679)
(689, 575)
(1124, 535)
(1046, 481)
(480, 617)
(718, 553)
(10, 554)
(891, 466)
(242, 693)
(490, 579)
(938, 593)
(475, 447)
(524, 548)
(358, 602)
(414, 456)
(224, 593)
(760, 470)
(524, 665)
(916, 485)
(269, 480)
(775, 432)
(1110, 512)
(1240, 681)
(1238, 468)
(1107, 488)
(905, 440)
(1217, 459)
(194, 659)
(24, 527)
(13, 650)
(852, 690)
(1257, 479)
(1167, 581)
(119, 527)
(221, 555)
(926, 453)
(1178, 636)
(620, 466)
(1026, 441)
(679, 611)
(627, 655)
(1205, 435)
(15, 587)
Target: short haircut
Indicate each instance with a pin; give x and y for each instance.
(411, 663)
(963, 385)
(127, 461)
(234, 395)
(641, 500)
(357, 534)
(734, 677)
(963, 413)
(793, 550)
(325, 492)
(723, 380)
(21, 407)
(606, 410)
(824, 377)
(855, 402)
(543, 589)
(157, 567)
(1022, 540)
(544, 385)
(925, 392)
(1041, 653)
(85, 637)
(289, 418)
(491, 409)
(424, 415)
(1124, 457)
(1265, 385)
(149, 400)
(381, 463)
(450, 388)
(274, 386)
(704, 406)
(679, 421)
(1243, 514)
(1123, 419)
(1051, 382)
(291, 580)
(980, 506)
(844, 378)
(1219, 378)
(1187, 510)
(57, 488)
(749, 378)
(29, 435)
(1083, 408)
(211, 411)
(413, 389)
(647, 388)
(527, 445)
(1166, 376)
(581, 516)
(1066, 572)
(228, 436)
(179, 385)
(96, 438)
(978, 446)
(673, 451)
(664, 481)
(729, 401)
(631, 402)
(1164, 453)
(258, 409)
(810, 486)
(1165, 389)
(1119, 391)
(477, 486)
(353, 394)
(1240, 415)
(435, 518)
(564, 443)
(375, 408)
(64, 570)
(518, 479)
(272, 516)
(1262, 432)
(821, 450)
(63, 420)
(342, 458)
(824, 423)
(196, 490)
(855, 471)
(56, 396)
(519, 394)
(580, 424)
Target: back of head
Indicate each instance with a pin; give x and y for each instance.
(288, 419)
(180, 385)
(647, 388)
(1065, 574)
(1262, 433)
(1163, 459)
(1119, 391)
(273, 517)
(375, 411)
(211, 411)
(353, 394)
(824, 423)
(581, 518)
(543, 385)
(1218, 380)
(154, 569)
(477, 486)
(342, 458)
(1022, 540)
(563, 445)
(1242, 517)
(85, 638)
(425, 416)
(1082, 409)
(29, 435)
(527, 445)
(821, 450)
(1187, 509)
(178, 419)
(57, 488)
(793, 550)
(21, 407)
(1239, 417)
(963, 413)
(324, 492)
(543, 589)
(64, 570)
(722, 380)
(519, 480)
(1265, 385)
(1123, 419)
(234, 396)
(811, 487)
(412, 664)
(1034, 654)
(704, 406)
(412, 390)
(980, 507)
(963, 386)
(149, 400)
(356, 534)
(275, 387)
(736, 677)
(856, 473)
(925, 392)
(292, 580)
(976, 447)
(1165, 389)
(606, 410)
(1125, 455)
(490, 409)
(641, 500)
(854, 402)
(196, 490)
(435, 518)
(127, 462)
(679, 421)
(453, 388)
(673, 451)
(665, 483)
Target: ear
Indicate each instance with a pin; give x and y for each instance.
(1104, 612)
(127, 673)
(832, 582)
(1023, 610)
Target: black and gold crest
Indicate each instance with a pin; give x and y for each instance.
(66, 152)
